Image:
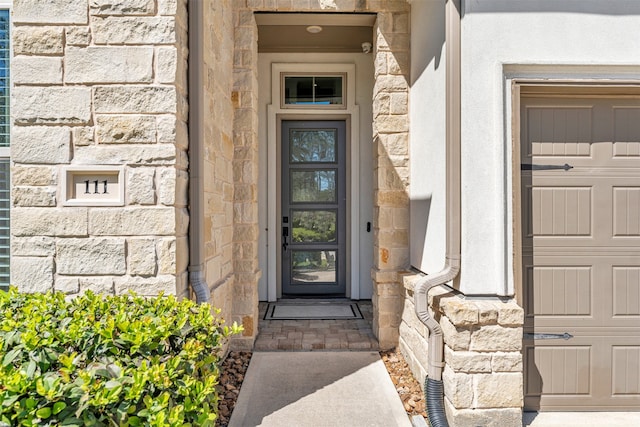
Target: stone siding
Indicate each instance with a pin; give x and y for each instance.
(100, 82)
(218, 154)
(111, 89)
(483, 380)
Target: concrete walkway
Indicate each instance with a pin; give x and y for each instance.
(319, 389)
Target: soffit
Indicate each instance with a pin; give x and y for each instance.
(287, 32)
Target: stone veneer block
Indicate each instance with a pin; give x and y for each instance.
(141, 186)
(98, 285)
(168, 7)
(52, 105)
(166, 250)
(36, 70)
(496, 338)
(33, 175)
(38, 41)
(40, 144)
(77, 36)
(83, 135)
(467, 361)
(92, 256)
(453, 337)
(40, 246)
(498, 390)
(66, 222)
(506, 362)
(155, 154)
(133, 221)
(167, 125)
(121, 7)
(502, 417)
(106, 64)
(458, 388)
(459, 312)
(50, 12)
(134, 30)
(32, 274)
(126, 129)
(34, 196)
(142, 257)
(67, 285)
(135, 99)
(166, 64)
(146, 285)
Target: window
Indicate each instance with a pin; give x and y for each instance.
(5, 124)
(315, 91)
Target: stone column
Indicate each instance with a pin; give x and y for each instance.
(391, 170)
(100, 83)
(483, 381)
(245, 174)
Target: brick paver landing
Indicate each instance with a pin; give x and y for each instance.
(296, 335)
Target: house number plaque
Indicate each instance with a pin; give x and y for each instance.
(94, 186)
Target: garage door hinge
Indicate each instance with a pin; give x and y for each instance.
(564, 336)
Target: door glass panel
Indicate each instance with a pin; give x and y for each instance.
(311, 90)
(314, 226)
(313, 266)
(315, 145)
(313, 186)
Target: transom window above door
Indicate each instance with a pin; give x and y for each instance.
(315, 91)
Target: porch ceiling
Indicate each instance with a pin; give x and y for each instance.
(287, 32)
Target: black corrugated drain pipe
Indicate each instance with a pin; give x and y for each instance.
(435, 403)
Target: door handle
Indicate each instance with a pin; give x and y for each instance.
(285, 234)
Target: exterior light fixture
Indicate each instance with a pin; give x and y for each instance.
(314, 29)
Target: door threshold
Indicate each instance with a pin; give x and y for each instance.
(312, 299)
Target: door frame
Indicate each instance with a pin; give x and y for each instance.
(350, 113)
(545, 85)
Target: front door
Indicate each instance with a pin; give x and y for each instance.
(313, 223)
(581, 252)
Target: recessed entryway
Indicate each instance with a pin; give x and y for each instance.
(580, 251)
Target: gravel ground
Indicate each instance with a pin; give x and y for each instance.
(235, 366)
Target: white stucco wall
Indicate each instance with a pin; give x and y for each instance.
(363, 88)
(427, 135)
(505, 38)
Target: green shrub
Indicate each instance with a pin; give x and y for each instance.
(108, 360)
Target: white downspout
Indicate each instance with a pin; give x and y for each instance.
(451, 267)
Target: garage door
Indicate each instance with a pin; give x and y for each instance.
(580, 176)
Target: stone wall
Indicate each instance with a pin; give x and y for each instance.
(100, 82)
(391, 163)
(483, 381)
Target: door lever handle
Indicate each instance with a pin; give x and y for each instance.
(285, 233)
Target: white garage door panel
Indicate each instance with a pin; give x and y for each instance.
(581, 253)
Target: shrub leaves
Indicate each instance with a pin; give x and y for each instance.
(108, 360)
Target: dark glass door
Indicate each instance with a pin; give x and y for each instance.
(313, 226)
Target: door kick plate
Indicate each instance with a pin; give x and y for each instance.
(565, 336)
